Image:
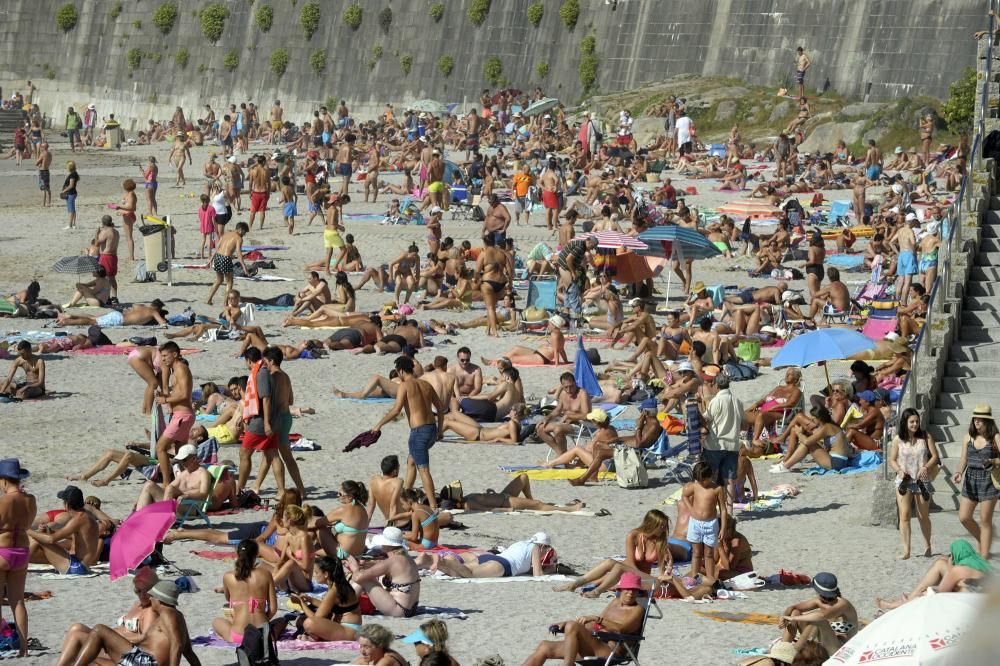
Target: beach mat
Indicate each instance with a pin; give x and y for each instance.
(115, 350)
(540, 364)
(367, 401)
(741, 618)
(866, 461)
(559, 474)
(209, 554)
(287, 644)
(507, 579)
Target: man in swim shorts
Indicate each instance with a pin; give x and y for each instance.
(178, 398)
(260, 189)
(81, 533)
(345, 158)
(43, 163)
(873, 163)
(107, 245)
(281, 421)
(906, 263)
(231, 244)
(435, 178)
(802, 64)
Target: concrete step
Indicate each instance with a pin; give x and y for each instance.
(989, 245)
(986, 318)
(949, 434)
(991, 225)
(973, 369)
(978, 334)
(985, 386)
(982, 303)
(982, 288)
(985, 273)
(961, 404)
(987, 258)
(974, 351)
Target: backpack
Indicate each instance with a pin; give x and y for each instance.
(738, 372)
(258, 647)
(477, 214)
(629, 470)
(141, 274)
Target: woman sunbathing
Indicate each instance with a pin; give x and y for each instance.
(623, 615)
(553, 353)
(327, 316)
(950, 573)
(599, 446)
(508, 432)
(535, 556)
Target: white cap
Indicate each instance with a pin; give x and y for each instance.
(933, 226)
(685, 366)
(541, 538)
(436, 210)
(546, 116)
(391, 536)
(635, 301)
(423, 115)
(557, 321)
(435, 152)
(232, 159)
(275, 156)
(186, 452)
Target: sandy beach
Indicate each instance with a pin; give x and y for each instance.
(823, 529)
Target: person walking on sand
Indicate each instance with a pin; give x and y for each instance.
(258, 435)
(17, 513)
(425, 414)
(178, 397)
(912, 454)
(221, 261)
(282, 399)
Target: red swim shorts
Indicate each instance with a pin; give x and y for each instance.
(259, 442)
(179, 428)
(258, 201)
(550, 199)
(110, 264)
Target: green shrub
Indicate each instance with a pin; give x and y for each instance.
(137, 25)
(318, 61)
(164, 17)
(279, 61)
(181, 58)
(213, 21)
(66, 17)
(309, 18)
(493, 70)
(385, 19)
(446, 64)
(134, 59)
(569, 12)
(960, 109)
(352, 16)
(588, 45)
(231, 60)
(264, 18)
(202, 68)
(377, 51)
(49, 72)
(478, 9)
(437, 11)
(115, 11)
(536, 11)
(406, 64)
(542, 69)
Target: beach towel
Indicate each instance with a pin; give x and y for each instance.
(524, 512)
(367, 401)
(261, 248)
(287, 643)
(866, 461)
(846, 260)
(429, 612)
(273, 308)
(115, 350)
(540, 364)
(59, 576)
(741, 618)
(264, 278)
(207, 554)
(560, 474)
(508, 579)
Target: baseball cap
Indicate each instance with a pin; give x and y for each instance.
(186, 452)
(867, 396)
(73, 497)
(685, 366)
(597, 415)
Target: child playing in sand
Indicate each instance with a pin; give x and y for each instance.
(706, 502)
(206, 220)
(289, 200)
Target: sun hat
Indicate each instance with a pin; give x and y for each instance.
(899, 346)
(685, 366)
(698, 288)
(557, 321)
(541, 539)
(186, 452)
(825, 584)
(232, 159)
(629, 581)
(10, 468)
(391, 537)
(983, 411)
(933, 226)
(597, 415)
(783, 651)
(417, 636)
(165, 592)
(912, 217)
(899, 150)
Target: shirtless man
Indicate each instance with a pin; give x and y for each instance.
(745, 307)
(572, 407)
(492, 407)
(192, 481)
(472, 137)
(315, 294)
(230, 245)
(260, 189)
(425, 414)
(385, 489)
(468, 376)
(550, 185)
(873, 162)
(34, 374)
(213, 175)
(435, 180)
(496, 221)
(426, 155)
(358, 334)
(802, 64)
(43, 162)
(164, 643)
(835, 294)
(274, 132)
(178, 396)
(566, 230)
(282, 399)
(906, 263)
(107, 247)
(345, 160)
(73, 546)
(636, 327)
(443, 381)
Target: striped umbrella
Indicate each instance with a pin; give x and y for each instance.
(673, 242)
(612, 240)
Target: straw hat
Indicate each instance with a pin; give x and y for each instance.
(899, 346)
(983, 412)
(698, 288)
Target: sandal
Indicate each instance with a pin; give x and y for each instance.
(602, 513)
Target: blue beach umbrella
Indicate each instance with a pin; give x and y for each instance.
(674, 242)
(825, 344)
(584, 373)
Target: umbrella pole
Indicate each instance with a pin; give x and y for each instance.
(669, 268)
(829, 386)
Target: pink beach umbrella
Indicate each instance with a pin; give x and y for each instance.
(138, 534)
(611, 240)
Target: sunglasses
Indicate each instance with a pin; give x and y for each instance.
(463, 360)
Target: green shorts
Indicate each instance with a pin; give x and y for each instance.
(282, 424)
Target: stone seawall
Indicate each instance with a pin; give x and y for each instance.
(117, 58)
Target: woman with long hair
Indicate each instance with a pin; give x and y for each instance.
(294, 569)
(645, 546)
(980, 451)
(430, 642)
(913, 455)
(335, 617)
(348, 522)
(250, 594)
(424, 528)
(17, 513)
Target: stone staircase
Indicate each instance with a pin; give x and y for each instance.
(972, 371)
(10, 120)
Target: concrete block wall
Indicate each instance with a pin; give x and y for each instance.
(883, 48)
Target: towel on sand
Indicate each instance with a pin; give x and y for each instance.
(286, 644)
(557, 474)
(509, 579)
(866, 461)
(367, 401)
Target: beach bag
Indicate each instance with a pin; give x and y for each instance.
(629, 470)
(10, 639)
(258, 647)
(748, 350)
(141, 274)
(477, 214)
(995, 469)
(453, 492)
(739, 372)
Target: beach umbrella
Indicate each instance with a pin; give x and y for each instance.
(541, 106)
(365, 439)
(819, 346)
(612, 240)
(674, 242)
(76, 265)
(138, 534)
(452, 173)
(630, 268)
(429, 106)
(926, 631)
(584, 373)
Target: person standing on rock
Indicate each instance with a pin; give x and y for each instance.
(802, 64)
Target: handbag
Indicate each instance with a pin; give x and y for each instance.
(995, 468)
(629, 470)
(63, 196)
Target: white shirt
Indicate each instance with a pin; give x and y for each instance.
(625, 125)
(518, 554)
(683, 125)
(725, 421)
(219, 203)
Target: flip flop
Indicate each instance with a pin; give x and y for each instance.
(602, 512)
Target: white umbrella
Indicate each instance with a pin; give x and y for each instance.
(925, 631)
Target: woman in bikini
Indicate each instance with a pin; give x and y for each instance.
(180, 151)
(815, 256)
(553, 353)
(250, 595)
(459, 297)
(293, 571)
(508, 432)
(770, 409)
(350, 258)
(405, 270)
(335, 617)
(127, 208)
(432, 277)
(149, 182)
(827, 444)
(425, 529)
(327, 316)
(645, 547)
(234, 183)
(392, 584)
(17, 513)
(348, 522)
(491, 275)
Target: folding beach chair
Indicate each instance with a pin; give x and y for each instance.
(626, 645)
(189, 509)
(678, 465)
(839, 211)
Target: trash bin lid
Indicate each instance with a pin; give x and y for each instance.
(150, 229)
